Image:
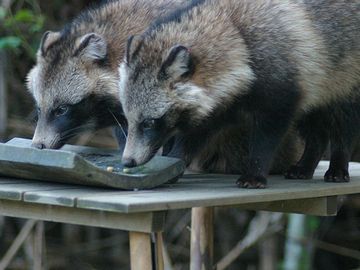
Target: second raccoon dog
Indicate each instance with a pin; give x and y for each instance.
(74, 82)
(206, 65)
(339, 24)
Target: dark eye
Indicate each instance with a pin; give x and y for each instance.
(149, 124)
(61, 110)
(38, 111)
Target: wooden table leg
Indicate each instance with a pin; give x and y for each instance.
(140, 251)
(202, 238)
(144, 253)
(159, 251)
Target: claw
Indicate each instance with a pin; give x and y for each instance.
(337, 175)
(248, 181)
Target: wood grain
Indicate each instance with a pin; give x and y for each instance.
(140, 251)
(220, 190)
(190, 191)
(138, 222)
(324, 206)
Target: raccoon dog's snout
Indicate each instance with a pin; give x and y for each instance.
(129, 162)
(38, 145)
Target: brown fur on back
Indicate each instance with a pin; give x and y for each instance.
(224, 60)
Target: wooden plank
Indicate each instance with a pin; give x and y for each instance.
(61, 197)
(202, 238)
(220, 190)
(14, 181)
(140, 251)
(191, 191)
(324, 206)
(17, 190)
(139, 222)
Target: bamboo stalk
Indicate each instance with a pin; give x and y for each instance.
(293, 250)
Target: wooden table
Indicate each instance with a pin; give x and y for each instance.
(143, 213)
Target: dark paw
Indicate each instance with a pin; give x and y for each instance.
(299, 172)
(337, 175)
(251, 181)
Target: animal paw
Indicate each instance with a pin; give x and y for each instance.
(337, 175)
(251, 181)
(299, 172)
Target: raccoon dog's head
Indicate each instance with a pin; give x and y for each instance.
(158, 97)
(73, 86)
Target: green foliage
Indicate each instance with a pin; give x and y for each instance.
(313, 224)
(21, 29)
(10, 42)
(34, 21)
(2, 13)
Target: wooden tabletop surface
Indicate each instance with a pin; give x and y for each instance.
(191, 191)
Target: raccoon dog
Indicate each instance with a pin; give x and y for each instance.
(74, 82)
(209, 63)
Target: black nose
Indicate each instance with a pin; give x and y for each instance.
(38, 145)
(129, 162)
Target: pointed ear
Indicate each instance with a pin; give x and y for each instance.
(132, 47)
(48, 39)
(178, 64)
(91, 46)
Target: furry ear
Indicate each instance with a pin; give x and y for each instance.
(91, 46)
(132, 47)
(178, 64)
(48, 39)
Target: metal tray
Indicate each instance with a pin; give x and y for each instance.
(84, 166)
